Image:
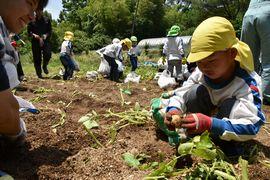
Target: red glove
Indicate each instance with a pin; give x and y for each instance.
(14, 44)
(196, 123)
(171, 117)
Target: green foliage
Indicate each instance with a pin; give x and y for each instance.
(111, 17)
(55, 39)
(81, 41)
(200, 146)
(96, 22)
(133, 116)
(150, 19)
(164, 170)
(98, 41)
(89, 121)
(131, 160)
(61, 121)
(71, 12)
(211, 166)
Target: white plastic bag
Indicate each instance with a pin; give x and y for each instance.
(132, 77)
(92, 75)
(26, 106)
(165, 80)
(61, 72)
(120, 66)
(104, 67)
(158, 74)
(24, 103)
(162, 63)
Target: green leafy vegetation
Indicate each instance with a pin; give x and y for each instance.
(61, 121)
(42, 90)
(133, 116)
(95, 23)
(211, 163)
(89, 121)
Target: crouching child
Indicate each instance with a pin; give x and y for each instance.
(112, 52)
(223, 94)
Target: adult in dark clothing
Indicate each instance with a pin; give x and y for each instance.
(40, 30)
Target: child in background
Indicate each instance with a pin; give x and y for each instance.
(173, 50)
(133, 53)
(112, 52)
(17, 42)
(224, 82)
(115, 40)
(66, 55)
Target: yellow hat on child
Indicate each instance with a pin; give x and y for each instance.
(68, 36)
(127, 42)
(217, 34)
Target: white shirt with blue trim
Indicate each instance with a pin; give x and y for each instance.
(246, 116)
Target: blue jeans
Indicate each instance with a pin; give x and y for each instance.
(134, 63)
(68, 65)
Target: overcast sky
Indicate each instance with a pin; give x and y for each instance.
(54, 7)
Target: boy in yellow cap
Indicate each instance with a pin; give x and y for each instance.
(66, 55)
(112, 52)
(225, 82)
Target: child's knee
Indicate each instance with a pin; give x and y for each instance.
(225, 108)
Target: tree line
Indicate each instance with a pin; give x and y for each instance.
(96, 22)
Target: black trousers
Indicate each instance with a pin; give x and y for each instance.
(20, 69)
(40, 53)
(114, 74)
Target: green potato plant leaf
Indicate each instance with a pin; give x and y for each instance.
(83, 119)
(126, 91)
(90, 124)
(131, 160)
(205, 141)
(205, 153)
(185, 148)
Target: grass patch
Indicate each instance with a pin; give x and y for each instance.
(87, 62)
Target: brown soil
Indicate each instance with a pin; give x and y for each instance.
(69, 153)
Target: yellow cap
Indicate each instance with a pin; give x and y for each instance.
(127, 42)
(68, 36)
(217, 34)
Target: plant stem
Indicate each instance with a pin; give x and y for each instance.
(93, 136)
